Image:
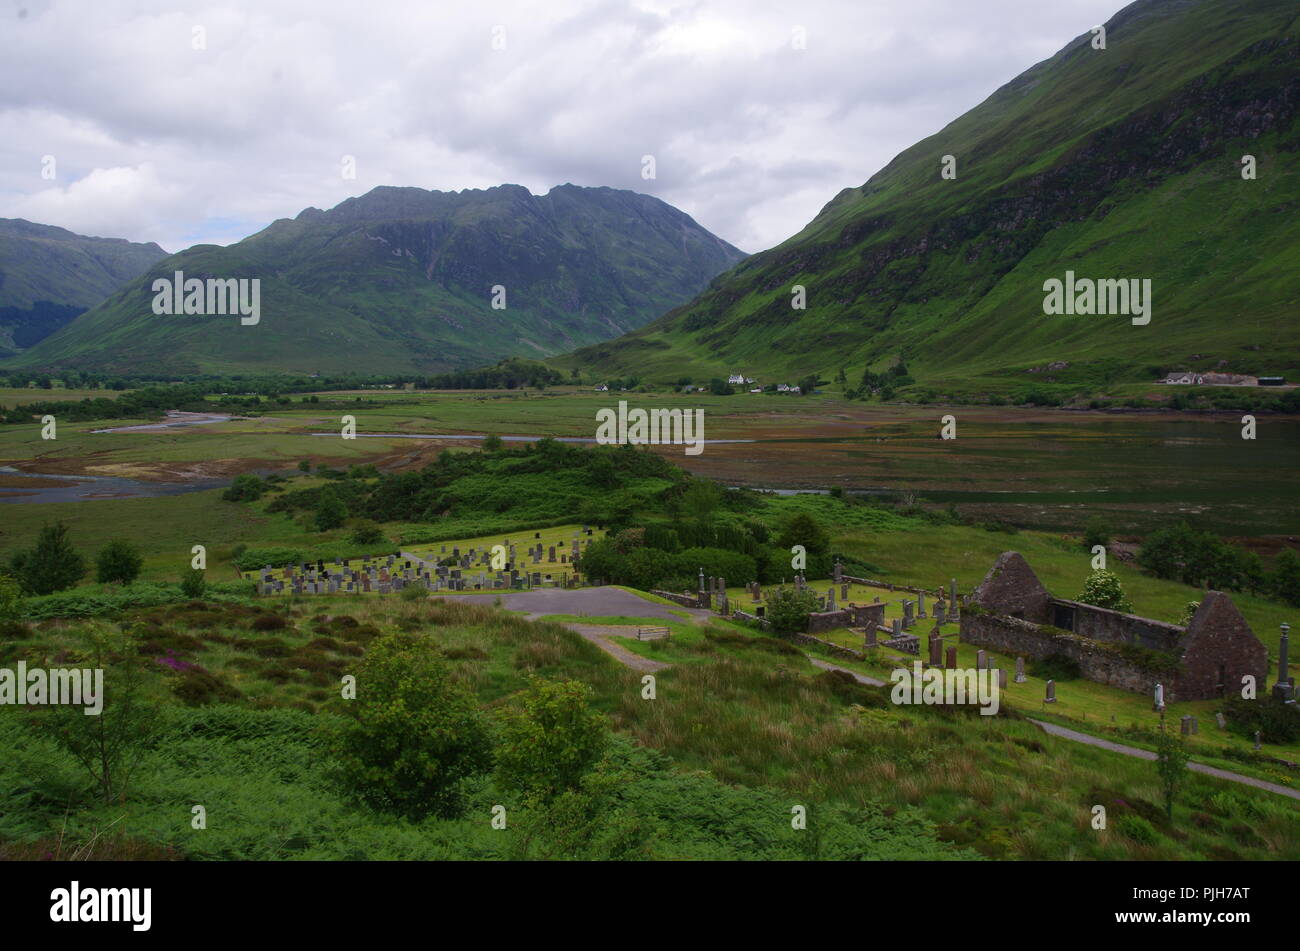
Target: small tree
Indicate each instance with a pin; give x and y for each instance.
(194, 584)
(51, 565)
(1097, 532)
(550, 739)
(245, 488)
(367, 532)
(331, 511)
(492, 443)
(414, 734)
(1103, 589)
(803, 529)
(118, 562)
(1171, 764)
(304, 465)
(788, 610)
(11, 598)
(108, 745)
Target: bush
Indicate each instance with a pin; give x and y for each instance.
(1275, 722)
(788, 610)
(366, 532)
(331, 511)
(550, 739)
(1103, 589)
(245, 488)
(11, 599)
(1097, 532)
(194, 584)
(413, 735)
(803, 529)
(118, 562)
(51, 565)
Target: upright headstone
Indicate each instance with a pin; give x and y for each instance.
(1220, 721)
(1158, 703)
(1051, 692)
(920, 604)
(1185, 724)
(1020, 670)
(1002, 678)
(950, 661)
(981, 659)
(936, 650)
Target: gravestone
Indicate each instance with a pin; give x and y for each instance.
(1220, 721)
(1020, 670)
(898, 626)
(844, 593)
(950, 661)
(870, 636)
(1051, 692)
(920, 604)
(939, 612)
(936, 650)
(981, 659)
(1158, 703)
(1002, 678)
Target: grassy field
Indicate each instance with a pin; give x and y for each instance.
(748, 709)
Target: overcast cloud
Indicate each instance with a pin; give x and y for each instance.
(154, 140)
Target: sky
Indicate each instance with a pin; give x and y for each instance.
(203, 123)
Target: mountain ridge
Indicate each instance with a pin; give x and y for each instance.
(401, 278)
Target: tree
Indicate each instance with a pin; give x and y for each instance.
(1097, 532)
(1171, 764)
(245, 488)
(413, 735)
(550, 739)
(700, 500)
(807, 384)
(51, 565)
(11, 598)
(304, 465)
(1285, 577)
(803, 529)
(331, 511)
(788, 610)
(108, 745)
(1103, 589)
(194, 584)
(367, 532)
(119, 561)
(492, 443)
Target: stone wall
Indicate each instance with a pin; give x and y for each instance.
(1097, 660)
(853, 615)
(685, 600)
(836, 650)
(1103, 624)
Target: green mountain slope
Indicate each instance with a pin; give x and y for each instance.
(401, 280)
(1114, 163)
(49, 275)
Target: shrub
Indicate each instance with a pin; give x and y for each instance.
(1097, 532)
(366, 532)
(245, 488)
(788, 610)
(11, 598)
(1275, 722)
(1103, 589)
(51, 565)
(413, 735)
(549, 739)
(803, 529)
(194, 584)
(118, 562)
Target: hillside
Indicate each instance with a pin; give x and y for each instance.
(401, 280)
(49, 275)
(1122, 163)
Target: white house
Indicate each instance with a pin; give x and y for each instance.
(782, 388)
(603, 388)
(736, 379)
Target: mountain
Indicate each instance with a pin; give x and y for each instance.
(401, 280)
(1115, 163)
(49, 275)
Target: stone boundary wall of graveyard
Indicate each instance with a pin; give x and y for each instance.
(684, 600)
(1100, 661)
